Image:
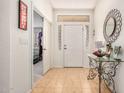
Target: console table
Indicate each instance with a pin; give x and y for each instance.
(105, 68)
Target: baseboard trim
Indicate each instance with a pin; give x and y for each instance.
(58, 67)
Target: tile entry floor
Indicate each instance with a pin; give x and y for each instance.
(37, 71)
(68, 80)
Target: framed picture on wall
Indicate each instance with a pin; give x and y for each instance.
(23, 9)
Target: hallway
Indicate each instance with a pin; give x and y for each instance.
(64, 34)
(68, 80)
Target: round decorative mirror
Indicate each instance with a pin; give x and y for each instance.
(112, 25)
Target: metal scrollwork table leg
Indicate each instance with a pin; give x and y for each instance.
(105, 71)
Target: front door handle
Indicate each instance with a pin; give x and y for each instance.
(65, 45)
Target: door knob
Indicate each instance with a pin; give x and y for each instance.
(44, 49)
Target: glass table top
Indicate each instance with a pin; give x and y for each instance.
(105, 59)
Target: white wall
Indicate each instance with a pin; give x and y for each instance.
(102, 9)
(20, 68)
(45, 8)
(21, 76)
(15, 50)
(4, 46)
(58, 54)
(15, 46)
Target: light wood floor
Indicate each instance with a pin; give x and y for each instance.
(68, 80)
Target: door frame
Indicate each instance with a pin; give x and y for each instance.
(34, 8)
(71, 24)
(62, 36)
(32, 41)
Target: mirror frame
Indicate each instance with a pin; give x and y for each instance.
(116, 15)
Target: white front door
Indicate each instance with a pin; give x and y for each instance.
(73, 46)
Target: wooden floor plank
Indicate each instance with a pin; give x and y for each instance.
(68, 80)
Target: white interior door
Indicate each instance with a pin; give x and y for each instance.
(46, 46)
(73, 46)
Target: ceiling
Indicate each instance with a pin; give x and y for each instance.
(73, 4)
